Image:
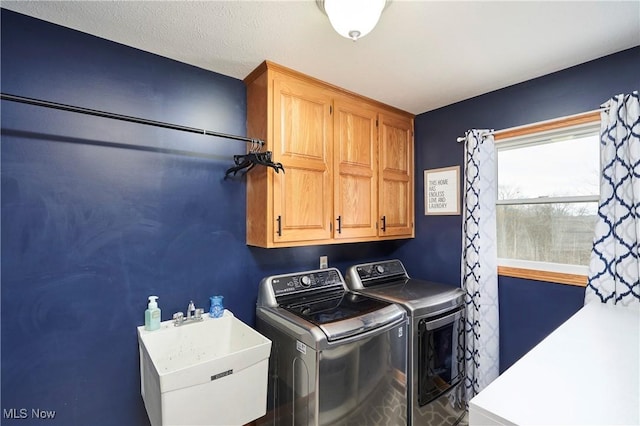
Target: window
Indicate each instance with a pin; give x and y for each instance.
(548, 191)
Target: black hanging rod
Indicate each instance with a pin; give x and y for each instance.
(104, 114)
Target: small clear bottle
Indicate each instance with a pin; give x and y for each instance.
(152, 315)
(217, 309)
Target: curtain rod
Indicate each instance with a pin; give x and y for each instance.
(104, 114)
(539, 123)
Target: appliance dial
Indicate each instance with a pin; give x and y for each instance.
(379, 269)
(306, 281)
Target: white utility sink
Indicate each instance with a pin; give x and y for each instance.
(212, 372)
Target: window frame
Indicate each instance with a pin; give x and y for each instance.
(544, 271)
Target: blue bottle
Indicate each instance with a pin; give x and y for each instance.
(217, 309)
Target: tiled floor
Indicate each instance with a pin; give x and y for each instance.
(387, 407)
(465, 420)
(445, 411)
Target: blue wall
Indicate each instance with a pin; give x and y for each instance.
(99, 214)
(529, 310)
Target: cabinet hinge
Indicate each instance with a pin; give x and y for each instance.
(376, 122)
(330, 109)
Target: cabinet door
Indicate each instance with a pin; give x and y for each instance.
(302, 143)
(355, 170)
(395, 184)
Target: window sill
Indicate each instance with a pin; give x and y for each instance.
(547, 276)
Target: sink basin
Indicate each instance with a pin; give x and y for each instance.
(212, 372)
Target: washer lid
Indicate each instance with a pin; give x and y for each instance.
(335, 308)
(345, 315)
(419, 297)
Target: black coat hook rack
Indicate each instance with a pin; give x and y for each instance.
(250, 160)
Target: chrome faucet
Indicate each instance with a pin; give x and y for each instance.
(193, 315)
(191, 310)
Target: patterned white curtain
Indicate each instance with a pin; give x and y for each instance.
(479, 262)
(614, 268)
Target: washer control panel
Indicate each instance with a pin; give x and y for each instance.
(380, 270)
(303, 281)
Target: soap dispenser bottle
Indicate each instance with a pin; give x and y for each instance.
(152, 315)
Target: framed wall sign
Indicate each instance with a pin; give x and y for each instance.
(442, 191)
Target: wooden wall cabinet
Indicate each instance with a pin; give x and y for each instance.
(396, 177)
(348, 164)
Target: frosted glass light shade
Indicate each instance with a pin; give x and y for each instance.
(353, 18)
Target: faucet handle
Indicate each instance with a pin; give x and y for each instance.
(199, 313)
(178, 317)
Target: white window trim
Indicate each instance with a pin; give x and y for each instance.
(549, 200)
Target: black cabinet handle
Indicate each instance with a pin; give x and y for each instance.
(339, 219)
(384, 223)
(279, 220)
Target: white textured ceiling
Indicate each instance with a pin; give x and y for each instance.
(422, 55)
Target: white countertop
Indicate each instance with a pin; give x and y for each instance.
(587, 372)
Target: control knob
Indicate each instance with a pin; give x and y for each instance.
(379, 269)
(306, 281)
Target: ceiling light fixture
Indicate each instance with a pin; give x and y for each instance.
(352, 18)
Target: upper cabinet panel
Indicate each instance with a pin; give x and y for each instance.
(356, 136)
(355, 141)
(304, 127)
(396, 177)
